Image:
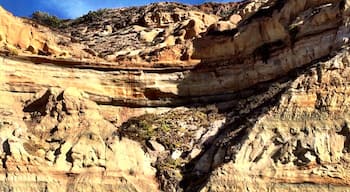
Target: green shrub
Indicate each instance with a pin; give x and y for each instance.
(91, 16)
(47, 19)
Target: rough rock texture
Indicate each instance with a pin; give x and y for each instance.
(299, 138)
(138, 32)
(61, 142)
(168, 97)
(22, 36)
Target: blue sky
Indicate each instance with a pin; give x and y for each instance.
(75, 8)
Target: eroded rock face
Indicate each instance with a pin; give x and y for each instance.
(219, 97)
(275, 26)
(301, 139)
(65, 144)
(21, 36)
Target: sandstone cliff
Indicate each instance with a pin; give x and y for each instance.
(249, 96)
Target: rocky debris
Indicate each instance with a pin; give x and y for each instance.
(174, 138)
(138, 31)
(223, 10)
(123, 35)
